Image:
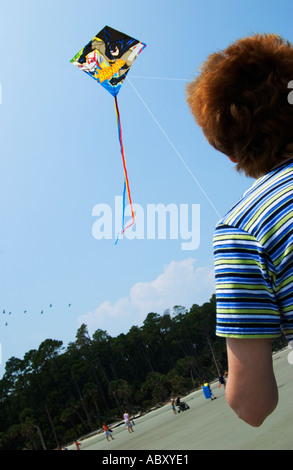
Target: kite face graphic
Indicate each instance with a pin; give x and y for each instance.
(108, 57)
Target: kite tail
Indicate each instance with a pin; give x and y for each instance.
(126, 183)
(123, 213)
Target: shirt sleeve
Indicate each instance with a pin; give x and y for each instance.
(245, 286)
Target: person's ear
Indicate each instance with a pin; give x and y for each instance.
(232, 160)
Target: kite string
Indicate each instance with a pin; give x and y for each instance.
(126, 184)
(173, 146)
(161, 78)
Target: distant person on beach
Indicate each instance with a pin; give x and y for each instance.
(77, 445)
(240, 99)
(222, 380)
(108, 432)
(127, 421)
(173, 406)
(206, 384)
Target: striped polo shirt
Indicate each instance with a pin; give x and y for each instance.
(253, 252)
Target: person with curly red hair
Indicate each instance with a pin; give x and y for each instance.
(240, 100)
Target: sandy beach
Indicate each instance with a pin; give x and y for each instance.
(207, 425)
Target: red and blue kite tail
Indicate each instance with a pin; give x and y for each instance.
(126, 183)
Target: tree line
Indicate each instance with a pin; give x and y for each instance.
(55, 394)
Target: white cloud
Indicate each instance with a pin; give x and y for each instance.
(181, 283)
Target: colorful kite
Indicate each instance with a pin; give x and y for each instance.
(107, 58)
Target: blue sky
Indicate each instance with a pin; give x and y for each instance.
(60, 158)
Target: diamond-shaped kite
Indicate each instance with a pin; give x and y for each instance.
(107, 58)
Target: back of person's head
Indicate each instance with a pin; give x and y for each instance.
(240, 100)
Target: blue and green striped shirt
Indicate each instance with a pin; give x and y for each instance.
(253, 250)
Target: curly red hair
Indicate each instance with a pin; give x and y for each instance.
(240, 100)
